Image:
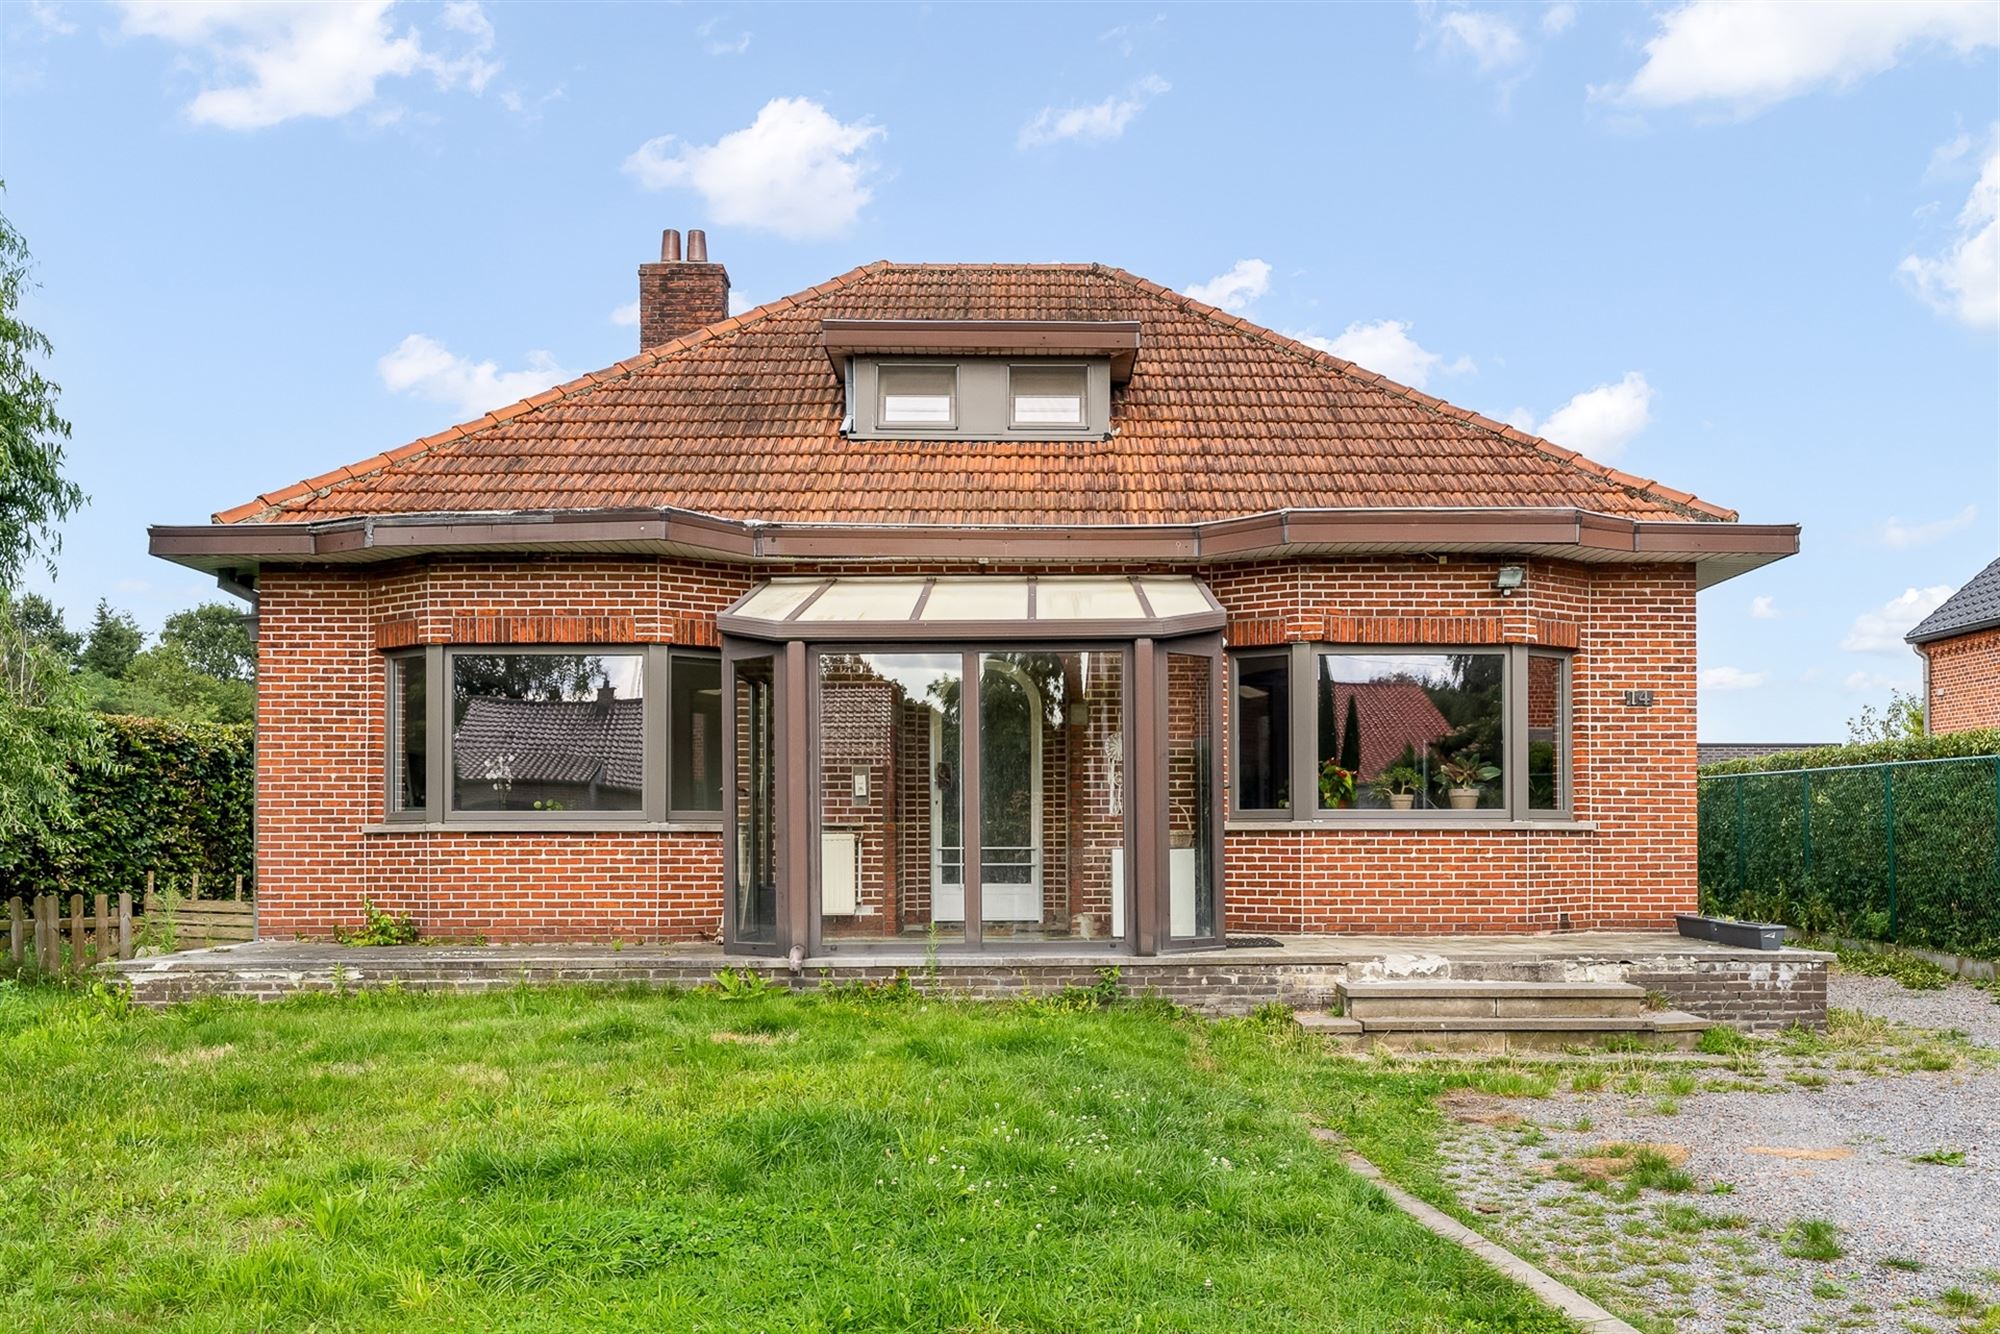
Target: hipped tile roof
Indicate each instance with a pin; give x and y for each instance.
(742, 420)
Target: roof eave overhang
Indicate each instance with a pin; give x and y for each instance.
(1719, 551)
(1919, 637)
(1117, 340)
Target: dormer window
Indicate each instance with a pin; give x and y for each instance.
(917, 396)
(1048, 396)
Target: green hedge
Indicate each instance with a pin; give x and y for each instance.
(1950, 746)
(1901, 851)
(179, 800)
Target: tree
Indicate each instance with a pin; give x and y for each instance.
(214, 639)
(1902, 716)
(47, 734)
(1350, 736)
(40, 621)
(34, 495)
(115, 639)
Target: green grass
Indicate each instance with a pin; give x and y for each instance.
(608, 1160)
(1813, 1239)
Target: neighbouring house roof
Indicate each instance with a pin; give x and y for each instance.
(741, 420)
(1716, 752)
(551, 741)
(1391, 715)
(1974, 607)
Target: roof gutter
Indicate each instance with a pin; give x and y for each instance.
(243, 548)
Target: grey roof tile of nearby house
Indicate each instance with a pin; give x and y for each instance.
(1976, 606)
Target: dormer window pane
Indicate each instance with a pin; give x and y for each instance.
(1048, 396)
(918, 396)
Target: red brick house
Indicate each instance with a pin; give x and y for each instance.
(1257, 639)
(1960, 646)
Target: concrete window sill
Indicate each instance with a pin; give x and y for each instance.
(545, 827)
(1551, 826)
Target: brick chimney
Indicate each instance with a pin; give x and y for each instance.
(678, 296)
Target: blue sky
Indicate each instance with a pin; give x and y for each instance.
(1748, 250)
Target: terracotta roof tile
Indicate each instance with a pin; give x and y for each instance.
(742, 420)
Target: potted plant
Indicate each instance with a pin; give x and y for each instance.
(1398, 786)
(1463, 776)
(1336, 787)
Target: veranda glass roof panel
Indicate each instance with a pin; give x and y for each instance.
(988, 607)
(976, 599)
(865, 600)
(779, 598)
(1087, 600)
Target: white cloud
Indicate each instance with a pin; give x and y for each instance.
(1493, 43)
(1598, 422)
(1749, 54)
(264, 62)
(1235, 290)
(1963, 279)
(1763, 607)
(426, 368)
(1386, 348)
(1882, 630)
(1558, 17)
(1731, 678)
(48, 18)
(1876, 681)
(718, 43)
(1896, 533)
(794, 170)
(738, 302)
(1094, 123)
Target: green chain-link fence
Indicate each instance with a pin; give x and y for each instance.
(1906, 852)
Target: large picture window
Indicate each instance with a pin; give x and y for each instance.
(1388, 732)
(624, 733)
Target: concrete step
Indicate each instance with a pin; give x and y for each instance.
(1664, 1029)
(1491, 1000)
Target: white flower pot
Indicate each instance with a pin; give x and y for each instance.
(1402, 801)
(1465, 798)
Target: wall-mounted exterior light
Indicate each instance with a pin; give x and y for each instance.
(1510, 578)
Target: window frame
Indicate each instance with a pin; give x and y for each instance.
(1304, 729)
(440, 809)
(1082, 372)
(1237, 659)
(883, 422)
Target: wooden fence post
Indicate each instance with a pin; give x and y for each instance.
(125, 924)
(14, 931)
(239, 889)
(102, 903)
(47, 951)
(76, 933)
(149, 891)
(194, 885)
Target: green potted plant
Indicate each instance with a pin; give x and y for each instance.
(1336, 787)
(1464, 774)
(1398, 786)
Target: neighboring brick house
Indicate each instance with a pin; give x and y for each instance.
(1960, 645)
(984, 605)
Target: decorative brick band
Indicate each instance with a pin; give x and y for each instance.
(1244, 631)
(544, 630)
(1557, 632)
(1414, 629)
(399, 633)
(696, 629)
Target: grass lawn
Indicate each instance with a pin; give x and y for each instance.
(590, 1159)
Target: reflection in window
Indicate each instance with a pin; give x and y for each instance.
(409, 751)
(1548, 689)
(1411, 731)
(547, 731)
(1264, 733)
(756, 888)
(694, 734)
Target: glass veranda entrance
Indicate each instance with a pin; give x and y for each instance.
(926, 792)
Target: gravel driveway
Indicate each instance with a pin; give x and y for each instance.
(1787, 1131)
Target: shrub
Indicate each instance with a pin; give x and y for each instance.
(1948, 746)
(177, 800)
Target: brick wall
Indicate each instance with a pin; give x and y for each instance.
(1964, 682)
(321, 719)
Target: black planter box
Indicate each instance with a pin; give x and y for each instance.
(1741, 935)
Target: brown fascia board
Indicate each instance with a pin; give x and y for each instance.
(239, 546)
(1116, 339)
